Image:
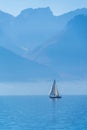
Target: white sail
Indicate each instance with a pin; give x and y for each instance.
(54, 91)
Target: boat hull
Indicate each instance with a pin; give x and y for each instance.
(55, 96)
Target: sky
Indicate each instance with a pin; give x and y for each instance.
(58, 7)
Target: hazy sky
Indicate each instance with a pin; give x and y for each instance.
(57, 6)
(43, 88)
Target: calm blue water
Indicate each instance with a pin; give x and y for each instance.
(42, 113)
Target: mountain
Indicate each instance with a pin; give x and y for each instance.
(5, 18)
(5, 34)
(67, 55)
(32, 28)
(16, 68)
(58, 42)
(36, 27)
(65, 18)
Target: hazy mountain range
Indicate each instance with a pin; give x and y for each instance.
(16, 68)
(55, 44)
(67, 55)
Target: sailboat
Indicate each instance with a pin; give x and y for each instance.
(54, 91)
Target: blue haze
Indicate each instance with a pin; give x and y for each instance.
(32, 49)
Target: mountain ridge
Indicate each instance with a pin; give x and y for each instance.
(23, 37)
(33, 31)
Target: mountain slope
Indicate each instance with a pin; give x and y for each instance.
(16, 68)
(68, 53)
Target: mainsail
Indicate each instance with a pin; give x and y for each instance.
(54, 91)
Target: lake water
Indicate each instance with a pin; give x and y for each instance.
(43, 113)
